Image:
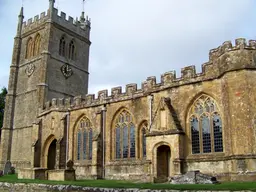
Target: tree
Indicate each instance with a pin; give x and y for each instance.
(2, 105)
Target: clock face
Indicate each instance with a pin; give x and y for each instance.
(66, 70)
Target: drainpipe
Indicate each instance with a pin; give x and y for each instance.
(150, 111)
(67, 131)
(104, 109)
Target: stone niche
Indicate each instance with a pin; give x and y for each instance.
(61, 175)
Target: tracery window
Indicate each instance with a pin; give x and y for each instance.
(37, 45)
(62, 47)
(71, 53)
(205, 126)
(125, 136)
(29, 49)
(143, 131)
(84, 140)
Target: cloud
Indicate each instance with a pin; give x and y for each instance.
(138, 38)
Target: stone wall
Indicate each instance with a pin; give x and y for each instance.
(6, 187)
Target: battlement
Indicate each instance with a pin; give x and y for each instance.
(81, 27)
(225, 58)
(34, 22)
(227, 46)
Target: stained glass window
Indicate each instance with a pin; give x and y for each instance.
(125, 132)
(217, 130)
(84, 139)
(78, 145)
(195, 135)
(90, 144)
(118, 149)
(206, 131)
(84, 144)
(144, 150)
(206, 135)
(125, 142)
(132, 141)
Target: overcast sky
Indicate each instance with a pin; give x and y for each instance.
(134, 39)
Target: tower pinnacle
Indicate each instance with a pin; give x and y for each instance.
(20, 22)
(51, 4)
(21, 12)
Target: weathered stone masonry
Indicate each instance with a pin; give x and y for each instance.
(104, 135)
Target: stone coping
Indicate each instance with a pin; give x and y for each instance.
(4, 186)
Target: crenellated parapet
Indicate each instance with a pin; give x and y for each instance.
(223, 59)
(81, 27)
(227, 46)
(35, 22)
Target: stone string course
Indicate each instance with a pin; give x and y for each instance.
(4, 187)
(211, 70)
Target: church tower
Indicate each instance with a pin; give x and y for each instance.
(50, 60)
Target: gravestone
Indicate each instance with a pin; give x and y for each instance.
(70, 165)
(7, 167)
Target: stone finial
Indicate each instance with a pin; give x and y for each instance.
(82, 18)
(21, 12)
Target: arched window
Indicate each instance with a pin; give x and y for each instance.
(143, 131)
(84, 140)
(29, 49)
(71, 53)
(125, 139)
(37, 45)
(62, 46)
(205, 126)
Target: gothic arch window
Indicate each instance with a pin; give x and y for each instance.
(143, 131)
(83, 138)
(37, 45)
(125, 136)
(205, 125)
(62, 47)
(71, 53)
(29, 49)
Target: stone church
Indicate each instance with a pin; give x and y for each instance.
(200, 121)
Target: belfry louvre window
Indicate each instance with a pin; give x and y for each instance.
(84, 139)
(124, 136)
(62, 47)
(71, 53)
(205, 126)
(29, 49)
(37, 45)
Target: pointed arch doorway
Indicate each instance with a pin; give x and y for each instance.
(163, 163)
(51, 157)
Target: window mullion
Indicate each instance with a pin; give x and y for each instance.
(212, 133)
(129, 141)
(121, 140)
(200, 134)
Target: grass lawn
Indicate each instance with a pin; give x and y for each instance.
(124, 184)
